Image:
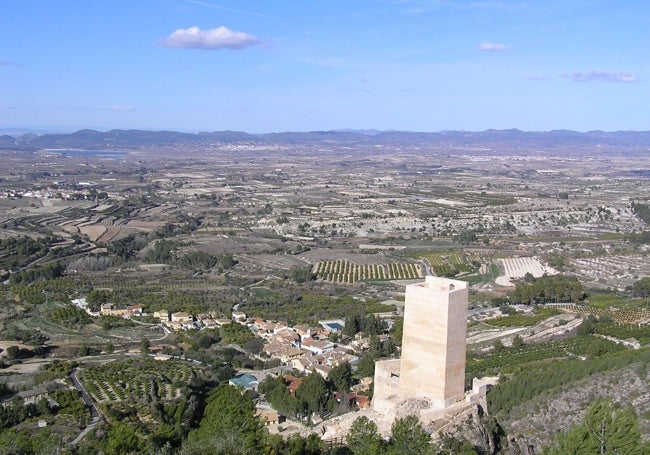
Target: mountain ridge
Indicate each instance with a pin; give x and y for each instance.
(87, 139)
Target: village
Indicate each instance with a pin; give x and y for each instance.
(303, 349)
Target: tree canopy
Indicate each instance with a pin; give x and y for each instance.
(549, 288)
(229, 424)
(408, 436)
(606, 429)
(363, 437)
(641, 287)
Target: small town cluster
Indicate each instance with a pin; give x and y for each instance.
(303, 348)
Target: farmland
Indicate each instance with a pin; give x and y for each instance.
(341, 271)
(296, 233)
(138, 380)
(143, 392)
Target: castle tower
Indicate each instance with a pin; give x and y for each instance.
(433, 344)
(433, 347)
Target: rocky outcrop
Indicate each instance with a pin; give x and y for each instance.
(474, 425)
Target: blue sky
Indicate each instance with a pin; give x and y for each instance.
(297, 65)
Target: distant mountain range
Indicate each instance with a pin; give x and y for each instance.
(512, 139)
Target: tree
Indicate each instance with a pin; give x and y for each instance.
(466, 236)
(144, 345)
(452, 445)
(311, 445)
(352, 325)
(122, 439)
(229, 425)
(408, 436)
(254, 346)
(641, 287)
(341, 377)
(13, 442)
(363, 437)
(587, 327)
(607, 429)
(13, 352)
(366, 365)
(313, 393)
(97, 297)
(397, 331)
(302, 275)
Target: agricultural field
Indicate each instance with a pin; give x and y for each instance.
(506, 360)
(516, 268)
(139, 390)
(138, 379)
(615, 270)
(523, 320)
(637, 317)
(238, 227)
(343, 271)
(451, 263)
(487, 273)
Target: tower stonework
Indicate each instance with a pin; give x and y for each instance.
(433, 344)
(433, 347)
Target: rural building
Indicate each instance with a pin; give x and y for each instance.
(182, 317)
(302, 365)
(323, 370)
(292, 384)
(267, 416)
(290, 354)
(106, 308)
(317, 346)
(162, 315)
(238, 316)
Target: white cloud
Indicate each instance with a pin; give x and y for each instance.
(216, 38)
(493, 47)
(601, 75)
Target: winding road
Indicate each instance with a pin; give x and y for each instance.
(89, 404)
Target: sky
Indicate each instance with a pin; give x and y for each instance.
(298, 65)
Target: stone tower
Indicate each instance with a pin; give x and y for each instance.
(433, 347)
(433, 344)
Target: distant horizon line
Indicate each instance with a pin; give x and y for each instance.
(17, 131)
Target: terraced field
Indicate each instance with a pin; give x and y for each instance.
(138, 380)
(622, 316)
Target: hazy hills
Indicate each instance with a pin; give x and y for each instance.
(490, 139)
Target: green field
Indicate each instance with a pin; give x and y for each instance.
(451, 263)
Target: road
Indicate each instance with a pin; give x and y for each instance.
(89, 404)
(162, 327)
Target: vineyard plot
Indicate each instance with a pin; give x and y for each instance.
(344, 271)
